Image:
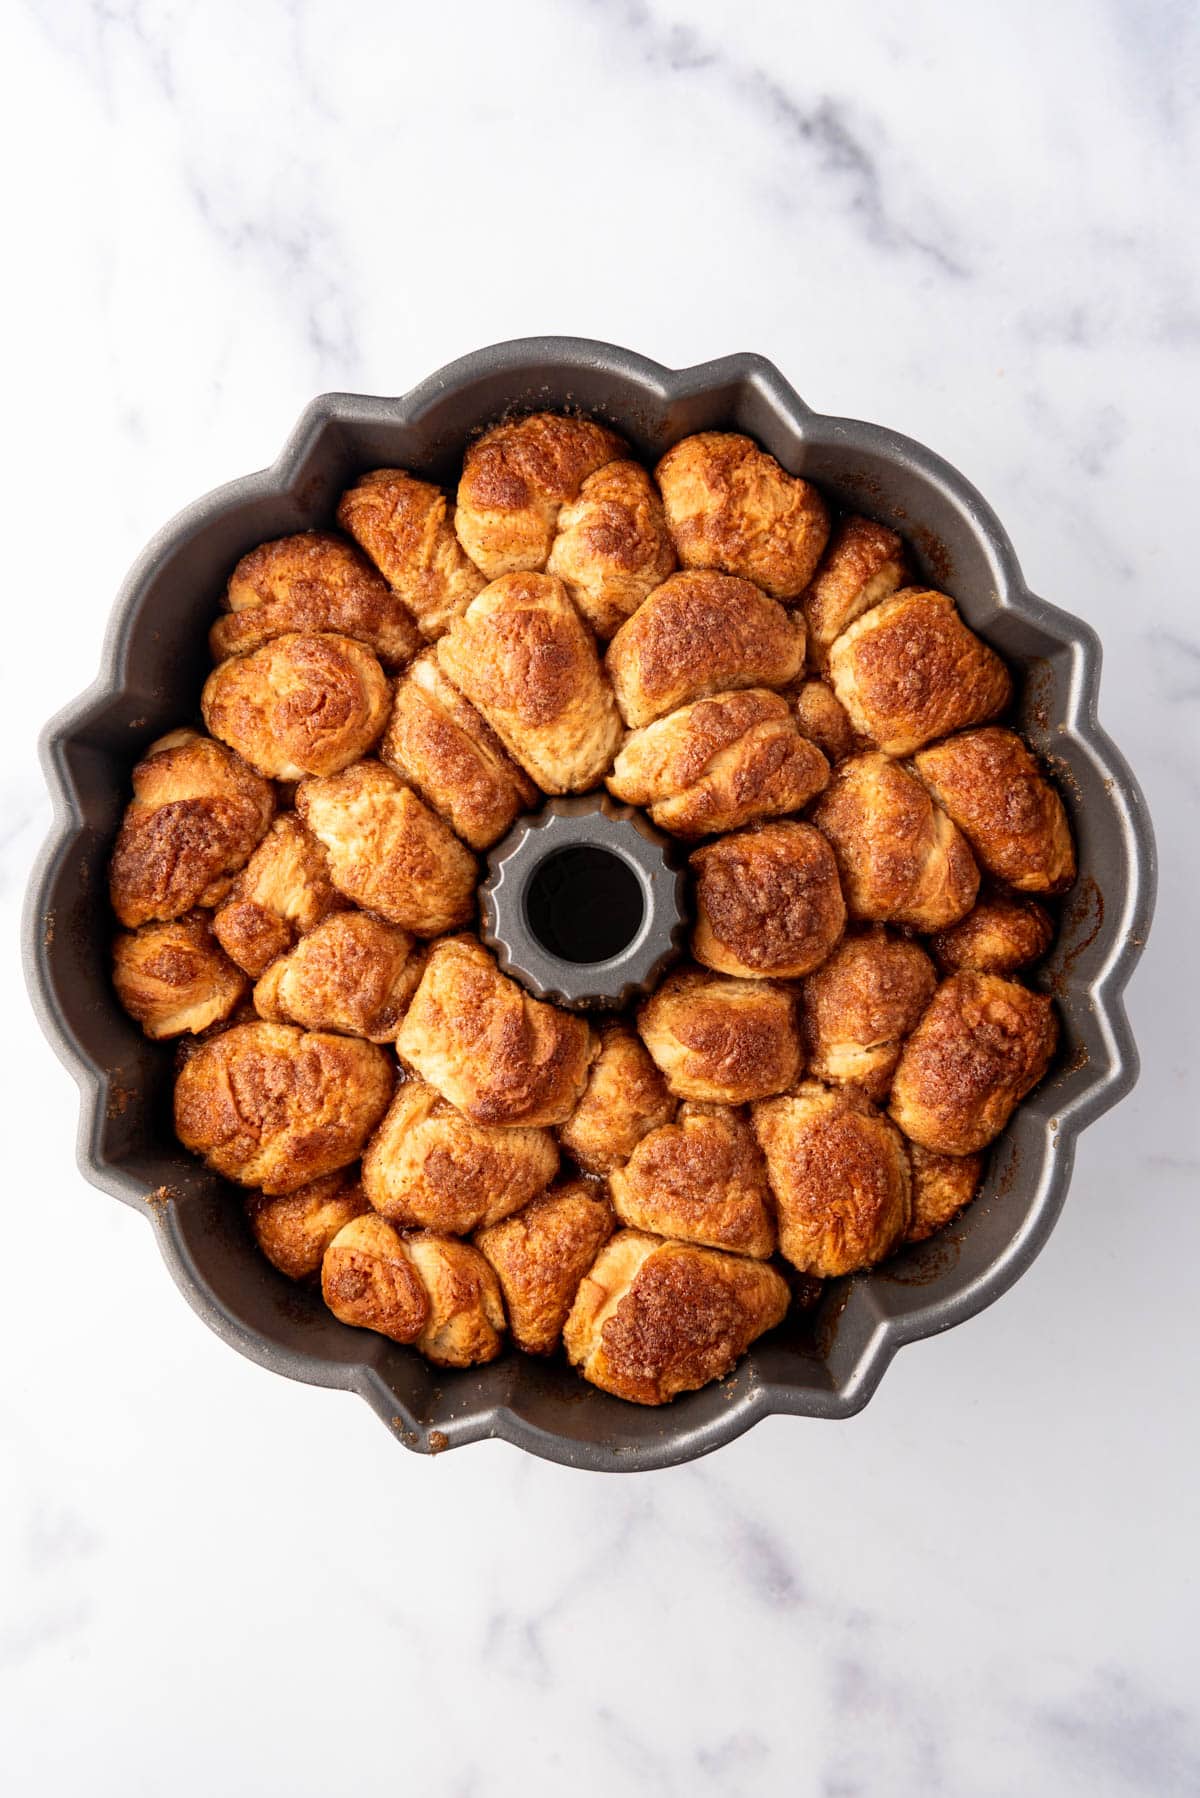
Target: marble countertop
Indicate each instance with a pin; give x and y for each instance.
(975, 225)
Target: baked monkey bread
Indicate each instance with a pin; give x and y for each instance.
(872, 855)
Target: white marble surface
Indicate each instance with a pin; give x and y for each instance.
(976, 224)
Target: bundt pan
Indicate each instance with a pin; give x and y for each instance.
(822, 1363)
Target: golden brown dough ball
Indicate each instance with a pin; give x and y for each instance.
(612, 546)
(721, 1040)
(353, 973)
(910, 670)
(719, 763)
(701, 1179)
(197, 812)
(999, 935)
(822, 719)
(863, 564)
(430, 1290)
(625, 1096)
(653, 1318)
(370, 1279)
(314, 581)
(524, 657)
(294, 1229)
(701, 633)
(768, 902)
(900, 859)
(731, 506)
(982, 1045)
(465, 1324)
(1012, 817)
(271, 1106)
(407, 528)
(438, 742)
(516, 478)
(839, 1171)
(299, 705)
(942, 1186)
(860, 1005)
(173, 977)
(540, 1255)
(388, 852)
(428, 1164)
(186, 1047)
(282, 893)
(487, 1046)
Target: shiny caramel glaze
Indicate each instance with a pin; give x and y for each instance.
(982, 1044)
(722, 1040)
(720, 763)
(652, 1319)
(196, 814)
(839, 1171)
(427, 1164)
(900, 859)
(540, 1255)
(612, 547)
(515, 480)
(352, 973)
(525, 659)
(700, 1179)
(910, 670)
(313, 581)
(860, 1005)
(1014, 820)
(701, 633)
(625, 1096)
(730, 506)
(406, 527)
(438, 743)
(387, 851)
(487, 1046)
(272, 1106)
(768, 901)
(863, 563)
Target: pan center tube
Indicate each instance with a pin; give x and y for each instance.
(584, 903)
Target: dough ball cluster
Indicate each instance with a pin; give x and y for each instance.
(873, 855)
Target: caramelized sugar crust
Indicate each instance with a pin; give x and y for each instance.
(821, 734)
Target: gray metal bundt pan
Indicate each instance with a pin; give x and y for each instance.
(823, 1364)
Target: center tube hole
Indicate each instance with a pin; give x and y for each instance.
(584, 904)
